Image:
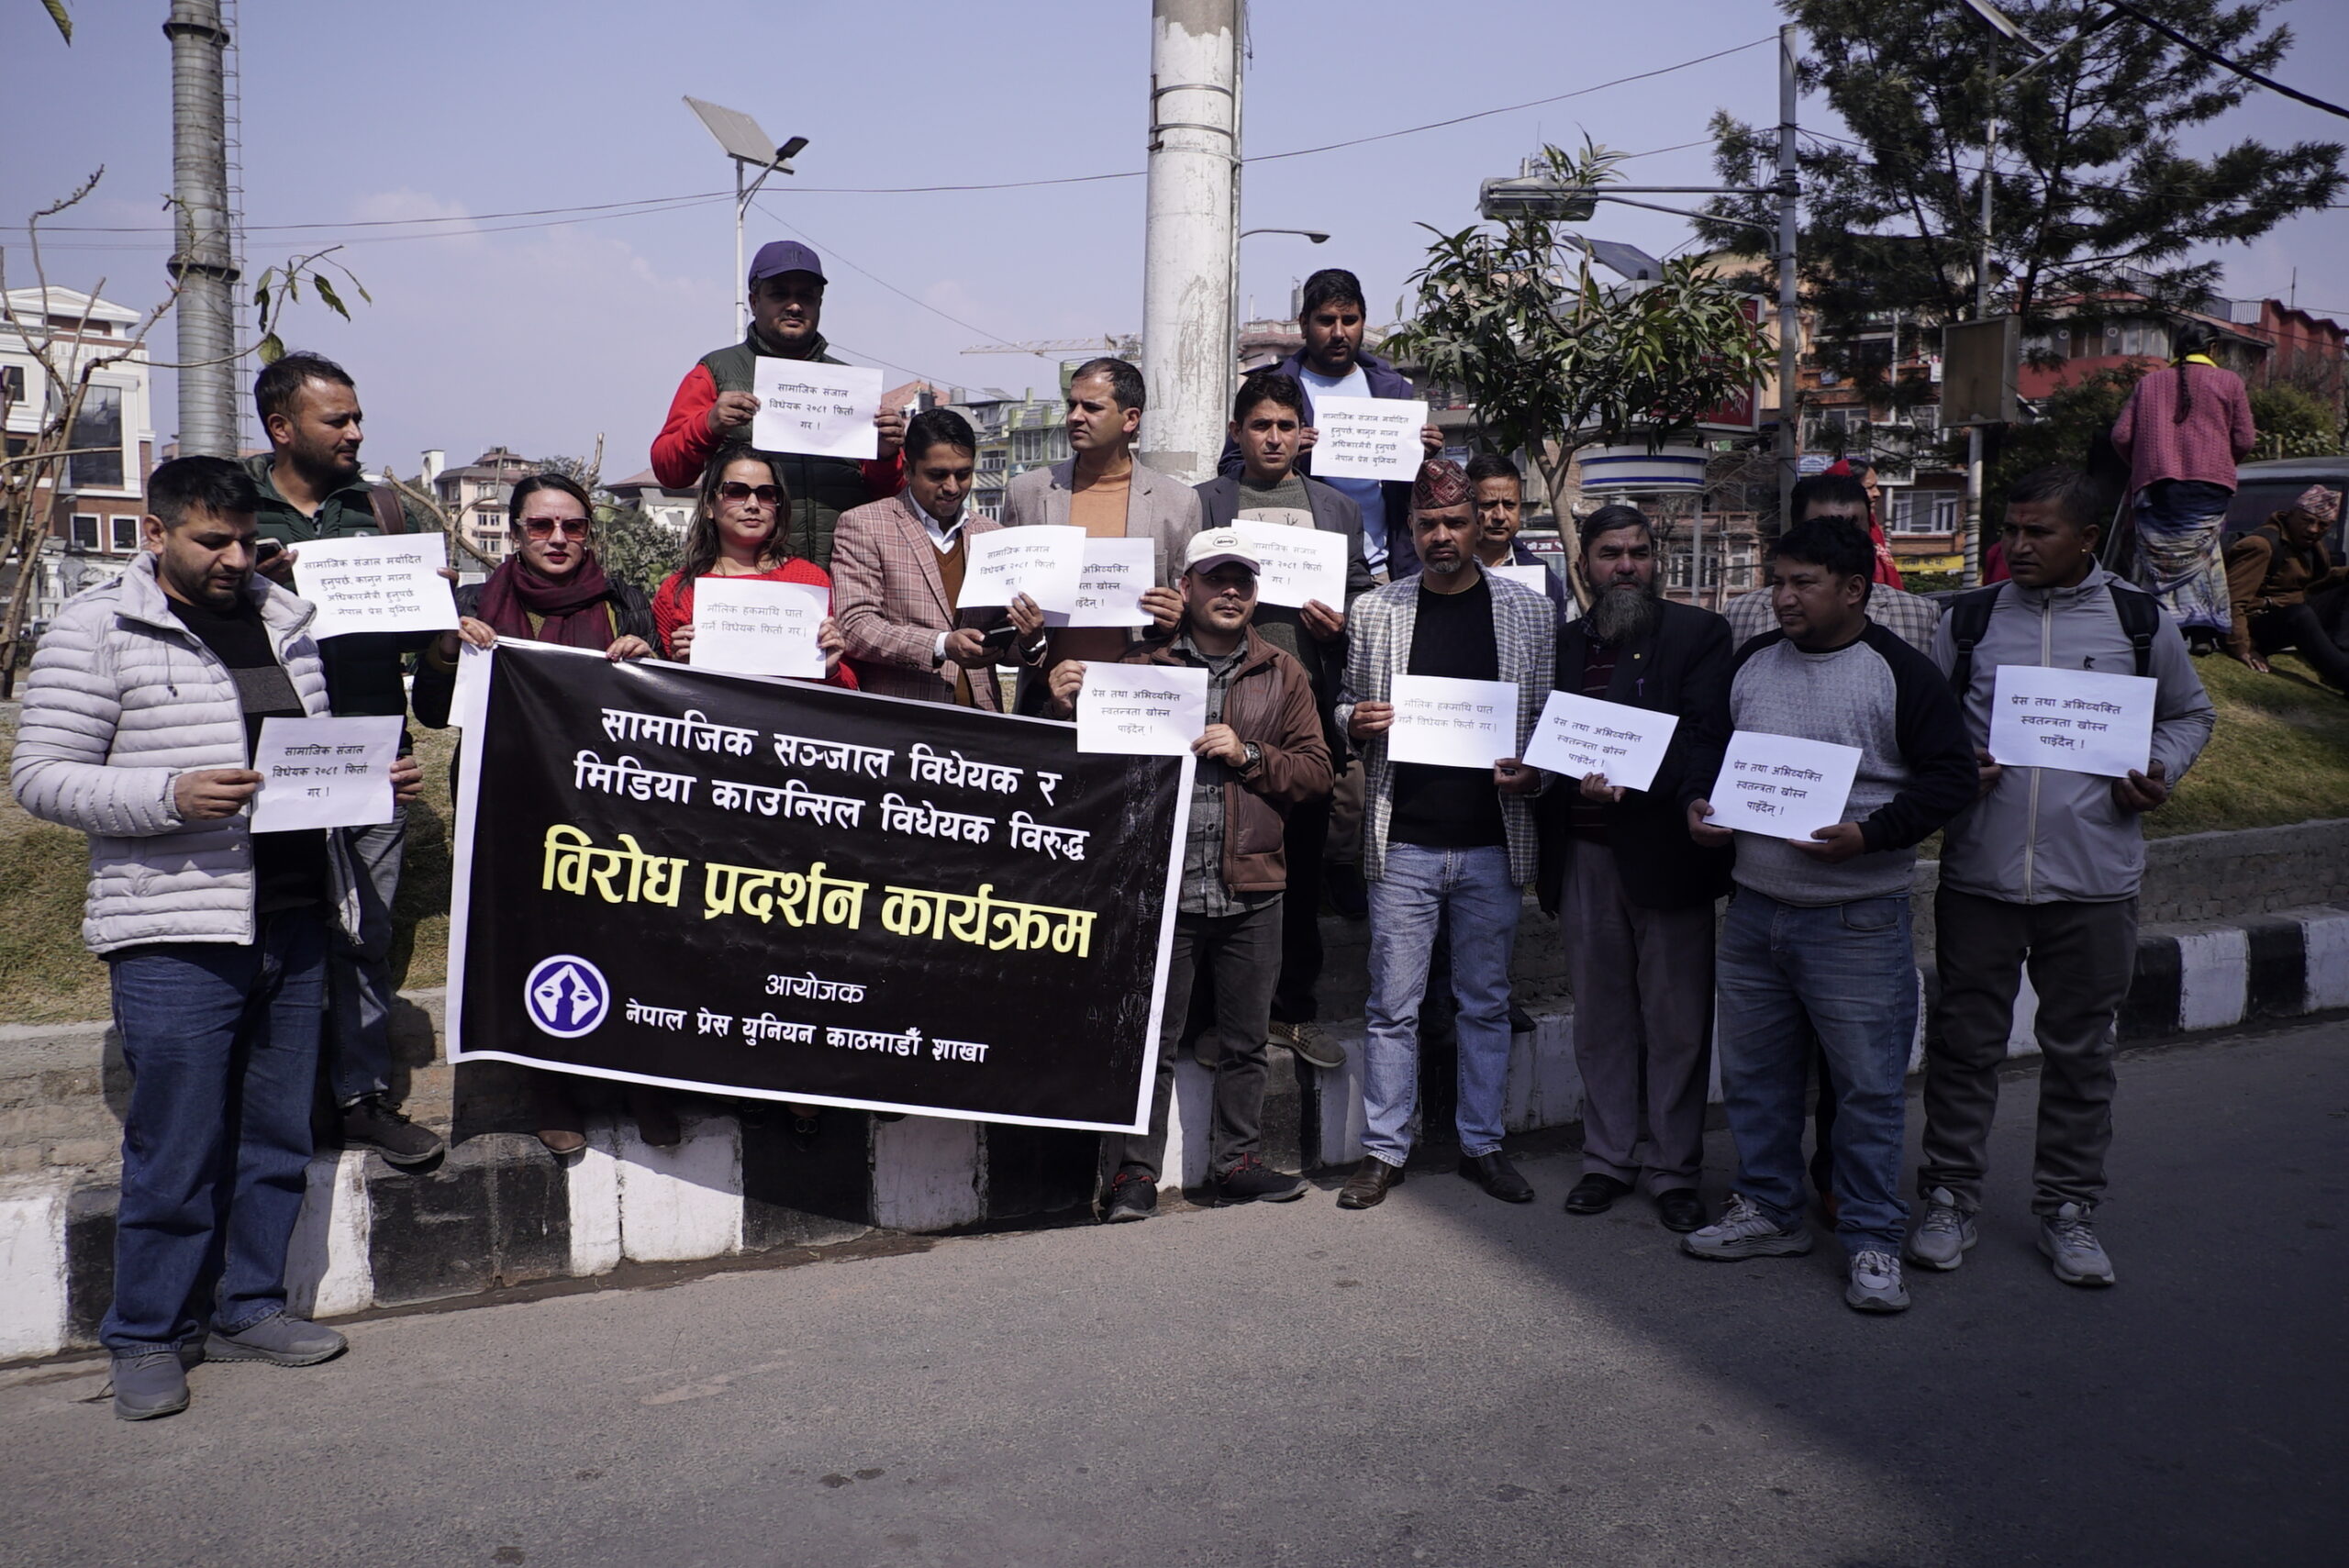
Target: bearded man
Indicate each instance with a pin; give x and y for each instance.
(1633, 892)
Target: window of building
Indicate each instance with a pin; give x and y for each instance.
(1924, 511)
(84, 533)
(126, 533)
(98, 423)
(12, 383)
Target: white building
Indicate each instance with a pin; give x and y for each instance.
(475, 496)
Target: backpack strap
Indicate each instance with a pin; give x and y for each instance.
(2140, 617)
(1967, 618)
(390, 516)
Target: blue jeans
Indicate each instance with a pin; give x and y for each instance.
(1845, 972)
(222, 1043)
(1421, 887)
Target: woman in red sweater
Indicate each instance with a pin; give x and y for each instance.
(736, 532)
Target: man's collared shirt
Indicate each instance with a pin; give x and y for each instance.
(1203, 891)
(945, 536)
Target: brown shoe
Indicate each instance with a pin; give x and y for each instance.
(561, 1127)
(655, 1115)
(1366, 1188)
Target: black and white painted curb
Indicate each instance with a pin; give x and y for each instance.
(499, 1213)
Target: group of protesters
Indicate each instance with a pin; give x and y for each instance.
(241, 961)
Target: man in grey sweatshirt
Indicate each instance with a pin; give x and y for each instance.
(2042, 870)
(1817, 937)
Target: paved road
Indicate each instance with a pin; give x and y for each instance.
(1445, 1380)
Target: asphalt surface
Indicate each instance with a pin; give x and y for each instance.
(1444, 1380)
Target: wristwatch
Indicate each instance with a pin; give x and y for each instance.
(1252, 758)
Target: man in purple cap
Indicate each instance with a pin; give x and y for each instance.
(2282, 583)
(715, 404)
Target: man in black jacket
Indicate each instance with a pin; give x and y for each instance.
(1634, 893)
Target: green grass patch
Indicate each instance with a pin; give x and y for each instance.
(2280, 753)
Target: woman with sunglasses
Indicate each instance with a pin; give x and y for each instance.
(551, 589)
(737, 532)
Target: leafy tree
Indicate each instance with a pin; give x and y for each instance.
(1554, 362)
(2291, 423)
(2090, 190)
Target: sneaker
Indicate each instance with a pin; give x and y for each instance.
(371, 1121)
(1253, 1181)
(149, 1383)
(1876, 1283)
(1311, 1042)
(1133, 1195)
(281, 1339)
(2069, 1241)
(1744, 1232)
(1942, 1242)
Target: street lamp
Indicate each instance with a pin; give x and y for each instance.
(748, 146)
(1313, 235)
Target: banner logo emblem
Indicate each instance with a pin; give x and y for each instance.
(566, 996)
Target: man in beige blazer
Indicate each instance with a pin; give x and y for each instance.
(1104, 491)
(897, 568)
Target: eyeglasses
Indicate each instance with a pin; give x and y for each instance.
(544, 527)
(764, 495)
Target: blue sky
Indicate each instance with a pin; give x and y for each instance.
(540, 337)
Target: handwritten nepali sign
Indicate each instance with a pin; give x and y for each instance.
(1780, 786)
(2078, 720)
(1046, 563)
(1579, 736)
(1145, 710)
(1536, 577)
(1296, 566)
(756, 887)
(822, 409)
(324, 773)
(1110, 583)
(1447, 723)
(378, 582)
(756, 627)
(1368, 438)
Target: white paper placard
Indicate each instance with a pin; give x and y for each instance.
(755, 627)
(377, 582)
(324, 773)
(1110, 586)
(1368, 438)
(2078, 720)
(1141, 710)
(826, 410)
(1046, 563)
(1579, 736)
(1447, 723)
(1780, 786)
(1536, 577)
(1296, 566)
(470, 700)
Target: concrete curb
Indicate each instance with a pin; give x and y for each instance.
(498, 1213)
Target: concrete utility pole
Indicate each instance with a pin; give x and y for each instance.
(1190, 253)
(1789, 323)
(202, 262)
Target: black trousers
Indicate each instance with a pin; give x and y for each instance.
(1300, 967)
(1241, 954)
(2299, 627)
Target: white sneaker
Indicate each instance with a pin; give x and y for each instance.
(1942, 1242)
(1876, 1283)
(1744, 1232)
(2069, 1241)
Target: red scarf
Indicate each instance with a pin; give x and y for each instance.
(573, 610)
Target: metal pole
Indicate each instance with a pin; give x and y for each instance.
(1789, 328)
(1696, 552)
(1970, 573)
(742, 285)
(203, 263)
(1187, 257)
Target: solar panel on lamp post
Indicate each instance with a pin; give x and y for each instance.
(748, 146)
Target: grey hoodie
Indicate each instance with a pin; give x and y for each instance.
(2044, 836)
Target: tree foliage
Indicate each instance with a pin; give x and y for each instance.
(2090, 190)
(2291, 423)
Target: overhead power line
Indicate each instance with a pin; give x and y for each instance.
(2215, 58)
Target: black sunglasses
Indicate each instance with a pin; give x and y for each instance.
(764, 495)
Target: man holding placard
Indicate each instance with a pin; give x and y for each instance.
(1261, 753)
(718, 402)
(147, 698)
(1267, 498)
(897, 580)
(1332, 317)
(1834, 721)
(1443, 845)
(2042, 871)
(311, 491)
(1633, 892)
(1499, 491)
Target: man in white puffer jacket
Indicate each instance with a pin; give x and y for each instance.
(146, 697)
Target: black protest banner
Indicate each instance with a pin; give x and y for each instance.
(771, 888)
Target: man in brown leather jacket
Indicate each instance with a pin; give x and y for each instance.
(2281, 581)
(1262, 752)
